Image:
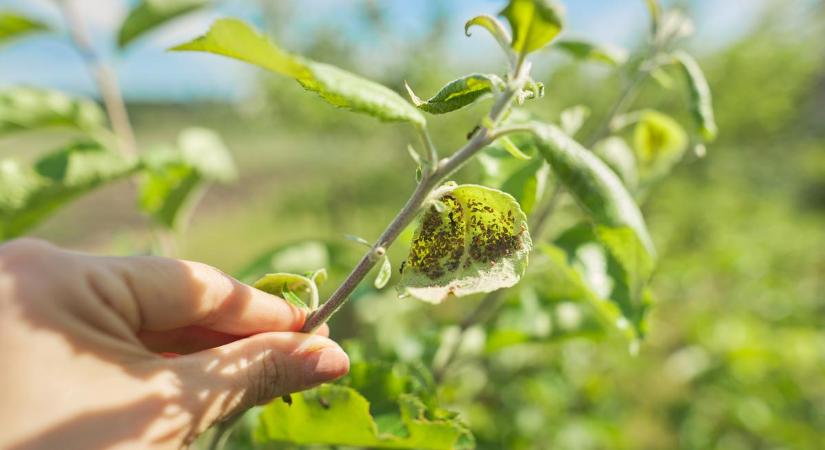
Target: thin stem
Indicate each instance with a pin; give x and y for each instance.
(502, 131)
(105, 80)
(432, 152)
(429, 181)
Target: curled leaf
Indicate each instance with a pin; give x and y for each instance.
(479, 244)
(701, 104)
(236, 39)
(288, 286)
(495, 28)
(457, 93)
(384, 273)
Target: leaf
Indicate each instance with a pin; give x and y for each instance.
(176, 176)
(615, 152)
(496, 29)
(383, 383)
(659, 143)
(25, 108)
(457, 93)
(615, 267)
(579, 271)
(584, 50)
(15, 26)
(480, 244)
(527, 184)
(662, 78)
(534, 22)
(631, 273)
(512, 149)
(235, 39)
(205, 151)
(596, 188)
(384, 273)
(701, 104)
(525, 180)
(30, 194)
(338, 415)
(288, 286)
(150, 14)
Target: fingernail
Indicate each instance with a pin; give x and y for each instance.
(325, 364)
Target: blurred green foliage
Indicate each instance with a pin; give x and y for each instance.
(734, 357)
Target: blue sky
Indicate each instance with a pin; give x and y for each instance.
(148, 73)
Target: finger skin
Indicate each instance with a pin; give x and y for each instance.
(170, 294)
(257, 369)
(193, 339)
(153, 293)
(139, 352)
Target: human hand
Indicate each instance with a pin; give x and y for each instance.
(80, 344)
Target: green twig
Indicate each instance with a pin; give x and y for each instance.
(429, 181)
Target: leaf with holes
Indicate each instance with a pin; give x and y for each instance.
(480, 243)
(236, 39)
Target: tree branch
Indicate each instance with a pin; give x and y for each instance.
(104, 78)
(429, 181)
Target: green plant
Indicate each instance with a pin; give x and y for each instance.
(591, 277)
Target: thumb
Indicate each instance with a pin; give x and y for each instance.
(221, 381)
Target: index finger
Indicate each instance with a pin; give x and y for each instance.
(168, 294)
